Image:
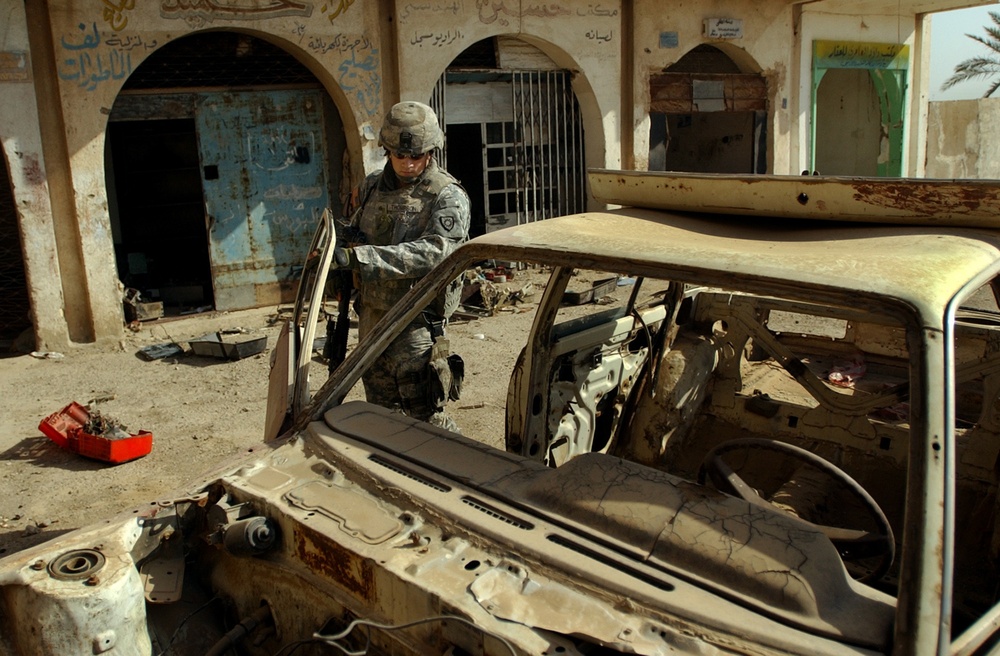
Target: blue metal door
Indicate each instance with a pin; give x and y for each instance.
(263, 156)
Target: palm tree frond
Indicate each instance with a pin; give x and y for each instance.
(980, 67)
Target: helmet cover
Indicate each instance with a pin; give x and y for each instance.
(411, 128)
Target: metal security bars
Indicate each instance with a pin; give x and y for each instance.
(438, 104)
(549, 145)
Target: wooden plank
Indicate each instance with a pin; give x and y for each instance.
(672, 93)
(915, 201)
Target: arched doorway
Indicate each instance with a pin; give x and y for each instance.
(514, 134)
(222, 152)
(858, 96)
(707, 116)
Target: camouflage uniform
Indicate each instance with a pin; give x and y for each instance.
(409, 229)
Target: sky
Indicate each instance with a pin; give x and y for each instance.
(949, 46)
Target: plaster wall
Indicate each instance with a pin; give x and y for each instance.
(20, 135)
(963, 139)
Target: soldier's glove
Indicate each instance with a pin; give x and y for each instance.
(344, 257)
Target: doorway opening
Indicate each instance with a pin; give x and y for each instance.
(223, 150)
(514, 134)
(858, 108)
(707, 116)
(161, 247)
(15, 305)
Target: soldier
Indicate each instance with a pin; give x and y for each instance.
(406, 219)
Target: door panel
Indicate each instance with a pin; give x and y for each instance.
(263, 159)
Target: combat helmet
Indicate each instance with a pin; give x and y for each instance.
(411, 128)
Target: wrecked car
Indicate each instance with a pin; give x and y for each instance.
(777, 433)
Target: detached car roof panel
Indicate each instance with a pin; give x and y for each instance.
(923, 267)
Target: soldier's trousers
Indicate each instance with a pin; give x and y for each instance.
(398, 379)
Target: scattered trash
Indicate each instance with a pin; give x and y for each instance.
(136, 309)
(197, 310)
(47, 355)
(599, 289)
(846, 374)
(160, 351)
(228, 344)
(492, 297)
(91, 434)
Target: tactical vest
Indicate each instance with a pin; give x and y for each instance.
(396, 216)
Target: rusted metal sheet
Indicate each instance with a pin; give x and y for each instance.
(265, 184)
(330, 559)
(674, 93)
(965, 203)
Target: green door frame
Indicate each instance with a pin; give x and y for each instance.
(887, 64)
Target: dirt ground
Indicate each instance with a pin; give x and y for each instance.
(200, 410)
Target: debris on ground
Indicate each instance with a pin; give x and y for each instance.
(487, 292)
(232, 344)
(47, 355)
(160, 351)
(138, 309)
(88, 432)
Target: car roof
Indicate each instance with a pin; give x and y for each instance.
(923, 267)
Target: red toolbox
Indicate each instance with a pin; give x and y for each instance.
(66, 428)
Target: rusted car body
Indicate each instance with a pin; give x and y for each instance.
(776, 437)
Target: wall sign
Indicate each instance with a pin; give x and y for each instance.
(14, 66)
(724, 28)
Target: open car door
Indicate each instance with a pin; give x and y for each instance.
(288, 384)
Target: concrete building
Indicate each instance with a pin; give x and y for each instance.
(185, 148)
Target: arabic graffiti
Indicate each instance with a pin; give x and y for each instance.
(114, 14)
(201, 11)
(490, 11)
(340, 43)
(90, 62)
(595, 35)
(596, 10)
(294, 225)
(293, 192)
(857, 54)
(89, 41)
(362, 79)
(272, 151)
(335, 9)
(452, 8)
(359, 70)
(438, 40)
(131, 41)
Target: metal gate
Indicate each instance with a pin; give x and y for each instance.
(548, 144)
(265, 187)
(533, 154)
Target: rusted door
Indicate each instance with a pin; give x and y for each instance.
(264, 175)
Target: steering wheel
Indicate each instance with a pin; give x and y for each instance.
(851, 544)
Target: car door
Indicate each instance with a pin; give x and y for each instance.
(288, 384)
(590, 343)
